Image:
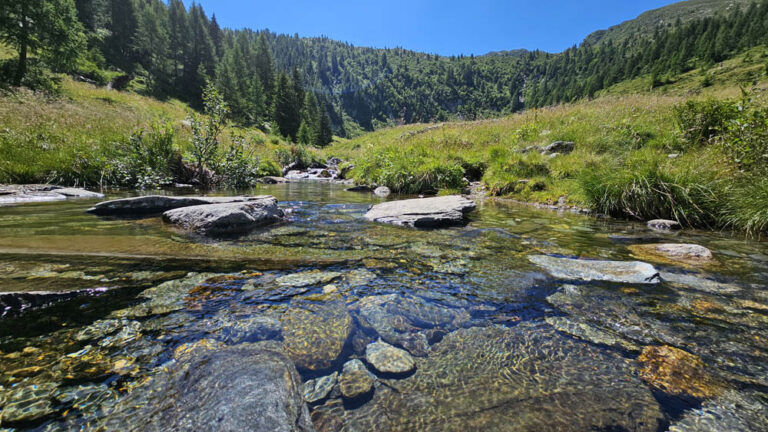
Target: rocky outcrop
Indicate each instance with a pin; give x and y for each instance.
(229, 218)
(424, 212)
(671, 253)
(589, 270)
(19, 194)
(247, 387)
(155, 204)
(559, 147)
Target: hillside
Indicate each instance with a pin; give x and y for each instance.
(648, 22)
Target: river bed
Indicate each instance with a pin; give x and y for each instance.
(496, 342)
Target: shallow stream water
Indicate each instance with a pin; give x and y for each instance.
(498, 343)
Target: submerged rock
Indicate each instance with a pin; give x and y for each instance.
(423, 212)
(314, 339)
(355, 380)
(317, 389)
(235, 389)
(229, 218)
(590, 333)
(699, 283)
(18, 194)
(154, 204)
(732, 411)
(28, 403)
(527, 378)
(673, 253)
(307, 278)
(401, 319)
(677, 372)
(388, 359)
(589, 270)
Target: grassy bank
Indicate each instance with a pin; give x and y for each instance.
(81, 136)
(635, 155)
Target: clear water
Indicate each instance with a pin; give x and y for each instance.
(499, 344)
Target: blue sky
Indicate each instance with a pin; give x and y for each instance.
(444, 27)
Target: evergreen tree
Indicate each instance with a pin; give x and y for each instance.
(265, 69)
(324, 134)
(123, 26)
(286, 114)
(47, 28)
(151, 45)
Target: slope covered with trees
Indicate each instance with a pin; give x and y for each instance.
(304, 87)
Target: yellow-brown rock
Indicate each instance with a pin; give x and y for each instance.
(677, 372)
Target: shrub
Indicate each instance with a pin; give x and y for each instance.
(147, 157)
(702, 121)
(268, 167)
(239, 169)
(746, 138)
(299, 155)
(206, 130)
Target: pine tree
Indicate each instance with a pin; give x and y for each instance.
(123, 26)
(286, 115)
(48, 28)
(265, 70)
(151, 45)
(324, 134)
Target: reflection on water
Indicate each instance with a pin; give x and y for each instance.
(497, 343)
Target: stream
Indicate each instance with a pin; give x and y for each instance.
(496, 342)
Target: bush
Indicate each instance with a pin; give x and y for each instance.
(239, 169)
(702, 121)
(147, 157)
(269, 167)
(746, 138)
(38, 77)
(296, 154)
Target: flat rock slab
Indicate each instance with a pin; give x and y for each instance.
(153, 204)
(589, 270)
(227, 218)
(17, 194)
(673, 253)
(423, 212)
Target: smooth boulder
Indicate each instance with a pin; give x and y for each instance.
(423, 212)
(673, 253)
(243, 388)
(154, 204)
(589, 270)
(663, 225)
(229, 218)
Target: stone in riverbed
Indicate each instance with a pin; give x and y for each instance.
(423, 212)
(591, 333)
(589, 270)
(677, 372)
(355, 380)
(242, 388)
(526, 378)
(307, 278)
(314, 338)
(673, 253)
(663, 225)
(732, 411)
(388, 359)
(28, 403)
(317, 389)
(382, 191)
(229, 218)
(154, 204)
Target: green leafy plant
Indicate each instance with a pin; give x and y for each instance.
(206, 130)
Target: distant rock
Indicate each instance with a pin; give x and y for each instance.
(560, 147)
(423, 212)
(273, 180)
(673, 253)
(19, 194)
(229, 218)
(388, 359)
(382, 191)
(360, 188)
(589, 270)
(154, 204)
(663, 224)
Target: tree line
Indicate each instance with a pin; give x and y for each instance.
(310, 88)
